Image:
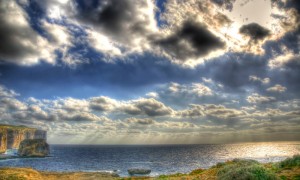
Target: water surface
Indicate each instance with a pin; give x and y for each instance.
(161, 159)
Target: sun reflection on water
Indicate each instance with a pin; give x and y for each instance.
(264, 151)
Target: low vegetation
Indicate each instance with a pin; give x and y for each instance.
(245, 169)
(290, 162)
(237, 169)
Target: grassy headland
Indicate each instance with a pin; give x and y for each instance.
(21, 127)
(236, 169)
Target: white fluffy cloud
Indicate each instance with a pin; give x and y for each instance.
(150, 107)
(108, 119)
(277, 88)
(259, 99)
(279, 61)
(262, 80)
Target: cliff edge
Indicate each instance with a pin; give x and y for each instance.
(12, 136)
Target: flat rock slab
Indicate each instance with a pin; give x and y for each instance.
(137, 171)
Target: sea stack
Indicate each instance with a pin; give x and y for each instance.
(33, 148)
(12, 136)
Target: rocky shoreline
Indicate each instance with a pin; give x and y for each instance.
(235, 169)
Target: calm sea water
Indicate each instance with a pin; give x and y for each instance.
(161, 159)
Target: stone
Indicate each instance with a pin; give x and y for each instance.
(33, 148)
(138, 171)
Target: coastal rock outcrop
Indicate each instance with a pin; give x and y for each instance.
(33, 148)
(11, 136)
(138, 171)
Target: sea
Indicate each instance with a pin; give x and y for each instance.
(161, 159)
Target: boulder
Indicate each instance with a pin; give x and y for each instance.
(33, 148)
(137, 171)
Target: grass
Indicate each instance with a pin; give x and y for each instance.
(290, 162)
(31, 174)
(237, 169)
(4, 126)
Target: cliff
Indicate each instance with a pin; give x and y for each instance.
(12, 136)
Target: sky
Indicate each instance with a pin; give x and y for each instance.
(152, 71)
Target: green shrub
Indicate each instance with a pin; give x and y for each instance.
(244, 170)
(290, 162)
(196, 171)
(218, 165)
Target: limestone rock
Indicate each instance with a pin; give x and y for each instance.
(137, 171)
(33, 148)
(12, 136)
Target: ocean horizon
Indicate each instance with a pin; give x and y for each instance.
(161, 159)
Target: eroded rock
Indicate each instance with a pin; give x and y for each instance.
(33, 148)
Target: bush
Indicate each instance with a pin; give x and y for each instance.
(290, 162)
(244, 170)
(196, 171)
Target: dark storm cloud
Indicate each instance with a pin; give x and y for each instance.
(191, 41)
(286, 73)
(287, 4)
(254, 31)
(294, 4)
(113, 15)
(13, 33)
(289, 75)
(227, 4)
(122, 20)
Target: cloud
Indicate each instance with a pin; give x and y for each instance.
(20, 44)
(24, 45)
(211, 110)
(12, 104)
(194, 89)
(122, 25)
(263, 81)
(222, 112)
(79, 117)
(277, 88)
(227, 4)
(150, 107)
(4, 92)
(152, 95)
(194, 111)
(192, 40)
(259, 99)
(140, 121)
(192, 31)
(75, 117)
(184, 94)
(255, 31)
(285, 70)
(71, 105)
(103, 44)
(281, 61)
(234, 70)
(102, 103)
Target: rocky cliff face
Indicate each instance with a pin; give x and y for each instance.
(12, 136)
(33, 148)
(3, 140)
